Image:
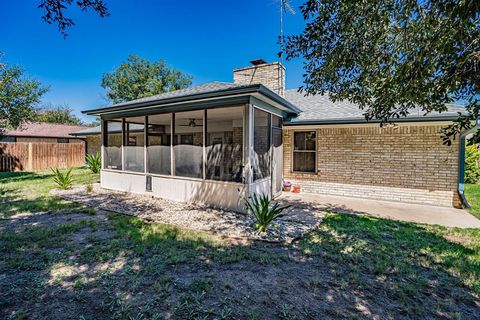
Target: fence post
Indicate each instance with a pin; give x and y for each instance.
(30, 157)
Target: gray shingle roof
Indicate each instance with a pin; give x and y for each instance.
(314, 107)
(92, 130)
(204, 88)
(321, 108)
(114, 127)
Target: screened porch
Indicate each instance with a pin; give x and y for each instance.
(216, 156)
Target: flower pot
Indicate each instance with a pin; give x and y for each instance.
(287, 188)
(296, 189)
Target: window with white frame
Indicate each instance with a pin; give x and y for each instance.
(304, 151)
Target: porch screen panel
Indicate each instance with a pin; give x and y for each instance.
(134, 143)
(304, 151)
(159, 138)
(224, 148)
(188, 144)
(113, 145)
(261, 144)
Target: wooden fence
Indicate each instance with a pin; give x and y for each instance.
(31, 156)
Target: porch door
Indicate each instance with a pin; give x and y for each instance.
(277, 161)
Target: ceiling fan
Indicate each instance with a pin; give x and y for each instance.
(191, 124)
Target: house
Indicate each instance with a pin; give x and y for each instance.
(92, 137)
(38, 146)
(219, 142)
(43, 132)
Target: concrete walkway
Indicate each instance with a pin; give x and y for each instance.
(448, 217)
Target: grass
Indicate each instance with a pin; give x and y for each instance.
(399, 252)
(68, 263)
(29, 191)
(472, 193)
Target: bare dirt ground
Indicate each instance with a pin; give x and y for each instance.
(72, 265)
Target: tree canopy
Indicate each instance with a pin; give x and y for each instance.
(393, 56)
(138, 78)
(19, 97)
(58, 114)
(54, 11)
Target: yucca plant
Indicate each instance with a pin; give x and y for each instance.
(94, 162)
(264, 210)
(89, 188)
(63, 180)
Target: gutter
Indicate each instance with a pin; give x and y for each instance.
(461, 165)
(363, 120)
(256, 88)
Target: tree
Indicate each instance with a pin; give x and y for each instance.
(95, 123)
(63, 115)
(19, 97)
(472, 160)
(138, 78)
(53, 11)
(392, 56)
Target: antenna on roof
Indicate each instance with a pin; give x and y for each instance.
(285, 7)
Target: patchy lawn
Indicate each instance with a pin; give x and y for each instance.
(60, 261)
(29, 191)
(472, 193)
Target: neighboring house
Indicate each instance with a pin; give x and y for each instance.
(43, 132)
(219, 142)
(38, 146)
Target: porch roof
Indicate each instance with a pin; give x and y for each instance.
(175, 100)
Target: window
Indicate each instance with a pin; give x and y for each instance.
(304, 151)
(224, 143)
(276, 131)
(134, 141)
(158, 146)
(113, 145)
(188, 144)
(261, 144)
(277, 121)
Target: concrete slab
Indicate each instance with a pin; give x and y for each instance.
(448, 217)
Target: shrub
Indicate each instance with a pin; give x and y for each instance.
(472, 160)
(89, 188)
(264, 210)
(63, 180)
(94, 162)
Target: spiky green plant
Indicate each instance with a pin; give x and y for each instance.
(63, 180)
(89, 188)
(94, 162)
(264, 210)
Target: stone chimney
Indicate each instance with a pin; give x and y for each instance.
(271, 75)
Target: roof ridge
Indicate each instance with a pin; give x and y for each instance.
(55, 124)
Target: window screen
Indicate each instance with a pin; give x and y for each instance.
(304, 151)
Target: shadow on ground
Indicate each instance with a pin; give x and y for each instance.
(63, 266)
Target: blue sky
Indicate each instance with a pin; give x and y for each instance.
(206, 39)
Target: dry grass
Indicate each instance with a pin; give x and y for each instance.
(66, 264)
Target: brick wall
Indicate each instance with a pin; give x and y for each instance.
(93, 144)
(271, 75)
(406, 163)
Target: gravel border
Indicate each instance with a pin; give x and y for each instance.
(193, 216)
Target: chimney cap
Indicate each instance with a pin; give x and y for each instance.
(257, 62)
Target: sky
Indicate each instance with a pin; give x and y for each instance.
(206, 39)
